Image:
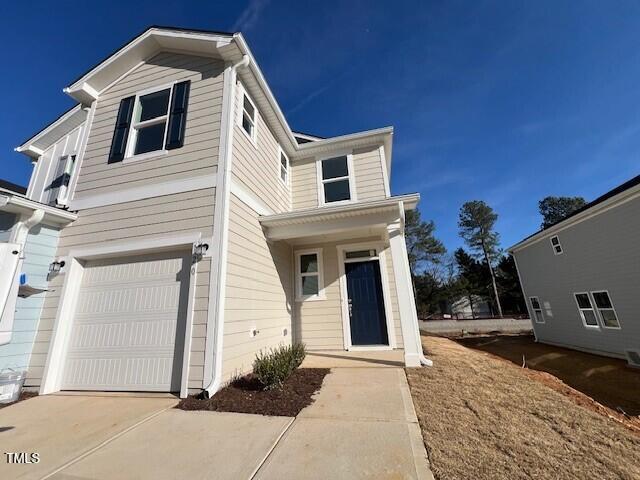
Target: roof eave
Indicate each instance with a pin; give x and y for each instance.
(10, 202)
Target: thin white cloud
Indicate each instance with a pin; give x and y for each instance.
(250, 15)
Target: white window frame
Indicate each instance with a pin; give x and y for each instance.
(553, 247)
(350, 176)
(287, 180)
(253, 137)
(299, 275)
(581, 310)
(135, 126)
(534, 310)
(598, 309)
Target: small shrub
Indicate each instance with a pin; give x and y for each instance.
(273, 367)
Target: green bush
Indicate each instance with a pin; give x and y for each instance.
(273, 367)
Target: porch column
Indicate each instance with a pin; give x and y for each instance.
(413, 356)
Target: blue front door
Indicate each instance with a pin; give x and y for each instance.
(366, 303)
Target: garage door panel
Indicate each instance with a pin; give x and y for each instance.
(124, 334)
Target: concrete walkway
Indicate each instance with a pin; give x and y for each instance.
(362, 425)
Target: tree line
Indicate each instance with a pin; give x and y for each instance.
(482, 273)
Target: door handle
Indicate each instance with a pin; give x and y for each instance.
(350, 308)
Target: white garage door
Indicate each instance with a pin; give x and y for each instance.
(128, 328)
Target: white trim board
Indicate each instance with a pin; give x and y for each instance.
(249, 198)
(146, 191)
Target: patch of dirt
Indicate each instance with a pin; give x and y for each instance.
(246, 395)
(483, 418)
(608, 381)
(23, 396)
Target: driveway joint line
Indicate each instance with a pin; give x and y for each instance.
(106, 442)
(273, 447)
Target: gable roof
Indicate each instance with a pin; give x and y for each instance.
(229, 47)
(603, 202)
(35, 146)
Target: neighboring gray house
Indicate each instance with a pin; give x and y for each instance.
(581, 276)
(204, 229)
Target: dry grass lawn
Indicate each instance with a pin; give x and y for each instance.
(484, 418)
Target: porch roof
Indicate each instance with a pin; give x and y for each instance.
(334, 219)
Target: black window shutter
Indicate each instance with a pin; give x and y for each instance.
(178, 115)
(121, 132)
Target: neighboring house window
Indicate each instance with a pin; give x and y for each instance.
(605, 308)
(58, 189)
(537, 309)
(248, 120)
(309, 282)
(336, 180)
(284, 168)
(555, 244)
(587, 312)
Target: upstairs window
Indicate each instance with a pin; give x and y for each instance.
(248, 120)
(605, 309)
(309, 282)
(284, 168)
(149, 125)
(151, 121)
(555, 244)
(537, 309)
(585, 308)
(336, 182)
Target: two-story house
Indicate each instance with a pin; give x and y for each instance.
(205, 229)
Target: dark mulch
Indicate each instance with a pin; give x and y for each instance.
(23, 396)
(246, 395)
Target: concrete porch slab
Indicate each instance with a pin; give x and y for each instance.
(62, 428)
(354, 359)
(179, 444)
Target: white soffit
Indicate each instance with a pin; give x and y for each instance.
(35, 146)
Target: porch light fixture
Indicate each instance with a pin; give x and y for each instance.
(56, 266)
(200, 249)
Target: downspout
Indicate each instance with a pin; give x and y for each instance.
(223, 193)
(423, 360)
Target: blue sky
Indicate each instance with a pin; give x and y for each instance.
(505, 102)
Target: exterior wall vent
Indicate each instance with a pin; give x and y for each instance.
(633, 357)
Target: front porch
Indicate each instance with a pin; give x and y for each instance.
(352, 288)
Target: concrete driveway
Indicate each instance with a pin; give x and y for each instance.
(362, 425)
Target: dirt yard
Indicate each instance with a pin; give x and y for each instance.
(484, 418)
(609, 381)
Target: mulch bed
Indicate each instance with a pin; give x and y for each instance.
(23, 396)
(246, 395)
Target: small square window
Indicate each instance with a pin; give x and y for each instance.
(555, 244)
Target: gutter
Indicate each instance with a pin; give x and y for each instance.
(217, 280)
(23, 206)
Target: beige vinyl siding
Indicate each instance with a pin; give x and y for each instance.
(257, 167)
(304, 184)
(258, 291)
(198, 156)
(367, 166)
(178, 214)
(369, 179)
(318, 323)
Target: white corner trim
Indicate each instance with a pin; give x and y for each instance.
(249, 198)
(145, 191)
(81, 151)
(188, 332)
(385, 173)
